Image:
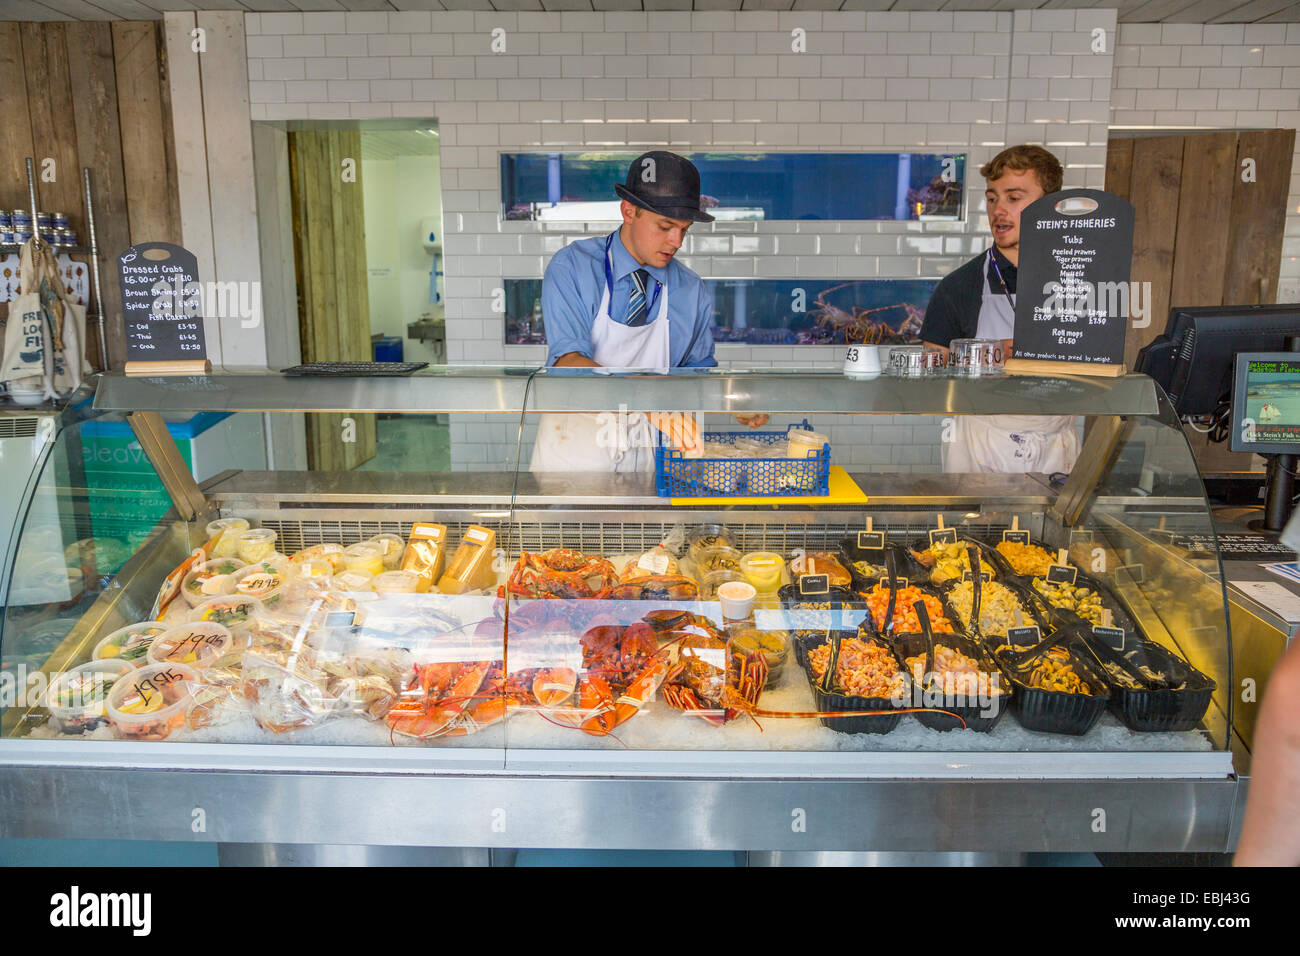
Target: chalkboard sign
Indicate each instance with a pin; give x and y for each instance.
(1025, 636)
(943, 536)
(1016, 537)
(1112, 636)
(871, 540)
(1062, 574)
(162, 304)
(1072, 281)
(901, 582)
(814, 584)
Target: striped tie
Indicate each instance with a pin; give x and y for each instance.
(636, 303)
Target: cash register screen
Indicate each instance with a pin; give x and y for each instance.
(1266, 403)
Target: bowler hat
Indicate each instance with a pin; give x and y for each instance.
(664, 183)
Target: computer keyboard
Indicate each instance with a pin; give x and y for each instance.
(355, 368)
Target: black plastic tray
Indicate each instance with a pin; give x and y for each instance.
(1057, 712)
(1163, 709)
(837, 701)
(1061, 617)
(869, 622)
(1033, 613)
(975, 716)
(919, 569)
(849, 548)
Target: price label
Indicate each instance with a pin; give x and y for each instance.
(813, 584)
(984, 576)
(1080, 536)
(1062, 574)
(654, 563)
(1111, 636)
(943, 536)
(1025, 636)
(1019, 537)
(884, 583)
(871, 540)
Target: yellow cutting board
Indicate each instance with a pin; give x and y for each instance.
(843, 491)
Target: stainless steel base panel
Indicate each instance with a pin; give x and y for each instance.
(327, 854)
(842, 858)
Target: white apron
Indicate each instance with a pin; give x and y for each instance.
(1008, 443)
(608, 441)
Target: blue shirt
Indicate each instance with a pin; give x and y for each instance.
(575, 280)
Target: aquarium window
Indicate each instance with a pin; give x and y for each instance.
(579, 187)
(773, 311)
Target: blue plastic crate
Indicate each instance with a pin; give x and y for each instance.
(776, 477)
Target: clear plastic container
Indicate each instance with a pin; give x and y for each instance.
(391, 546)
(763, 569)
(77, 699)
(197, 644)
(151, 702)
(264, 581)
(314, 568)
(707, 538)
(357, 579)
(712, 580)
(211, 579)
(227, 531)
(364, 556)
(723, 559)
(130, 643)
(256, 544)
(329, 551)
(235, 611)
(805, 444)
(396, 582)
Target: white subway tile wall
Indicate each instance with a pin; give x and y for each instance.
(1191, 76)
(971, 82)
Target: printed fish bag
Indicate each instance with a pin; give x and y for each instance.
(45, 337)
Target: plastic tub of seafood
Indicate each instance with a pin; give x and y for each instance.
(329, 551)
(723, 559)
(357, 579)
(197, 644)
(235, 611)
(364, 556)
(77, 698)
(391, 547)
(396, 582)
(763, 569)
(227, 531)
(263, 581)
(707, 538)
(773, 645)
(1179, 700)
(130, 643)
(211, 579)
(151, 701)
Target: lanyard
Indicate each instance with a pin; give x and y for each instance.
(1001, 281)
(650, 301)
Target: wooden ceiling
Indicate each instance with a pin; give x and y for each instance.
(1130, 11)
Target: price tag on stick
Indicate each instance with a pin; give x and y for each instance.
(871, 540)
(811, 585)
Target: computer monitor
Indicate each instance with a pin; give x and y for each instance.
(1193, 359)
(1266, 403)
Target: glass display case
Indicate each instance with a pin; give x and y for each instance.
(567, 657)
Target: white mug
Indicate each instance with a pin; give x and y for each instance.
(862, 361)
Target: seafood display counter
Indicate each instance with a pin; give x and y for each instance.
(488, 656)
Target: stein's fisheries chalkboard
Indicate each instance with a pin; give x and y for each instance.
(1072, 301)
(162, 303)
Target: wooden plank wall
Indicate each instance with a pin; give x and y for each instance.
(91, 94)
(1202, 236)
(333, 304)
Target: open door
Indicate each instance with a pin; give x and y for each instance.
(329, 239)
